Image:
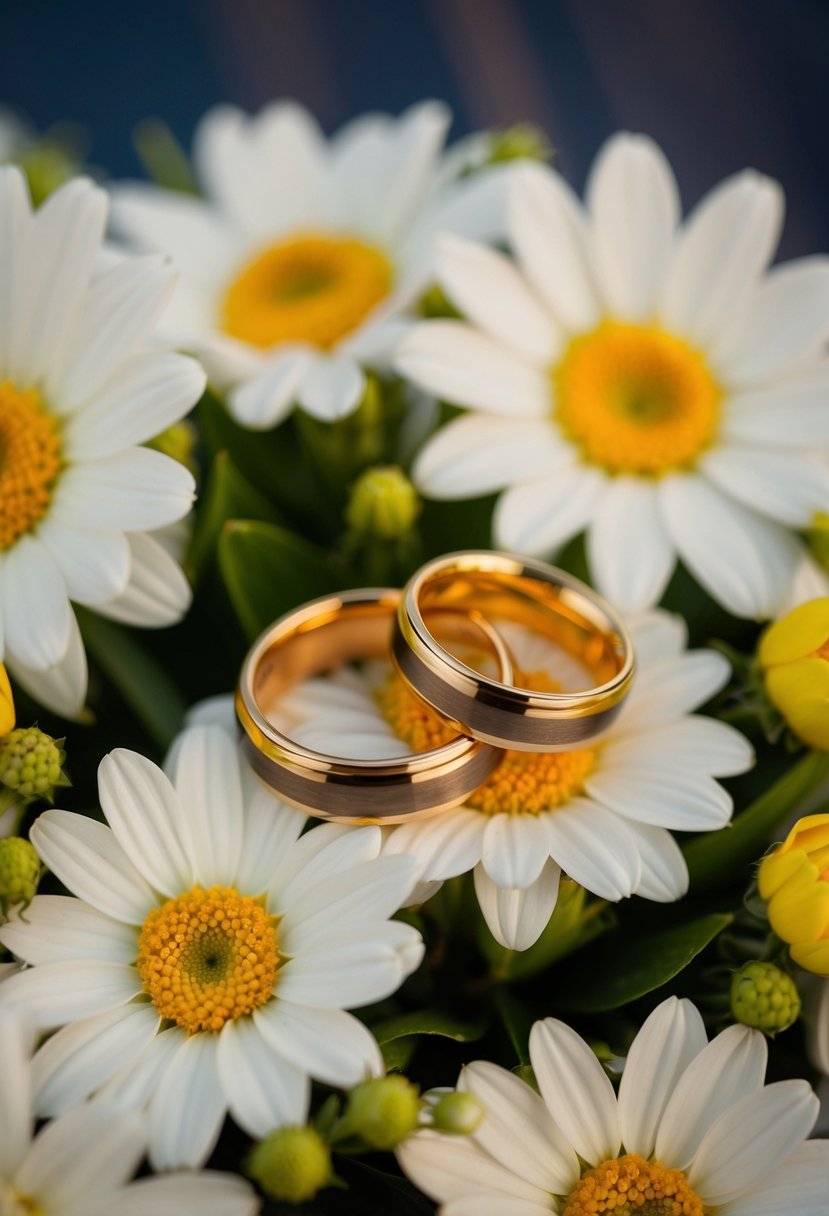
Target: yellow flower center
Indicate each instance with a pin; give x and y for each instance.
(208, 957)
(30, 461)
(635, 399)
(525, 783)
(311, 288)
(631, 1186)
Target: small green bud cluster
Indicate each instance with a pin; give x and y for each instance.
(764, 997)
(383, 503)
(291, 1164)
(31, 763)
(19, 872)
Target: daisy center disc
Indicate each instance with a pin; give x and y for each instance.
(208, 957)
(312, 288)
(636, 400)
(30, 461)
(631, 1186)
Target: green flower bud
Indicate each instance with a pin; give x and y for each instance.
(764, 997)
(383, 503)
(384, 1110)
(521, 142)
(291, 1164)
(31, 763)
(19, 872)
(457, 1113)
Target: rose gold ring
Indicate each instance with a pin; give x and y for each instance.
(503, 588)
(319, 637)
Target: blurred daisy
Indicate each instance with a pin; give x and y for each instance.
(693, 1130)
(80, 391)
(208, 959)
(602, 814)
(81, 1164)
(646, 380)
(305, 253)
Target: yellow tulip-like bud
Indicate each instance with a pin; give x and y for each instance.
(794, 656)
(6, 704)
(794, 882)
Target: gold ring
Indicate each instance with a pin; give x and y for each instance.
(548, 601)
(319, 637)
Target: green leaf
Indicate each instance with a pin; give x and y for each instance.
(227, 495)
(622, 969)
(268, 570)
(517, 1021)
(141, 680)
(720, 857)
(429, 1021)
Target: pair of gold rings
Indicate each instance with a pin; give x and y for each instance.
(458, 600)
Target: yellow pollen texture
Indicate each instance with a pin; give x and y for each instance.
(208, 957)
(636, 400)
(631, 1186)
(311, 288)
(30, 461)
(411, 719)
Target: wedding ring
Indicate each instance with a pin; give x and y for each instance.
(504, 588)
(319, 637)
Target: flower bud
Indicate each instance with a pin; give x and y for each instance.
(794, 882)
(291, 1164)
(520, 142)
(6, 703)
(30, 763)
(19, 872)
(383, 503)
(384, 1110)
(764, 997)
(457, 1113)
(794, 657)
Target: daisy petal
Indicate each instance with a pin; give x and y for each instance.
(668, 1041)
(631, 556)
(136, 489)
(664, 872)
(66, 992)
(15, 219)
(576, 1090)
(634, 202)
(61, 688)
(656, 798)
(796, 1188)
(694, 743)
(455, 1167)
(263, 400)
(594, 847)
(485, 1205)
(788, 414)
(133, 1085)
(539, 516)
(321, 855)
(516, 917)
(16, 1090)
(329, 1044)
(346, 970)
(515, 849)
(445, 845)
(35, 607)
(188, 1108)
(271, 828)
(208, 784)
(786, 486)
(264, 1091)
(95, 564)
(157, 593)
(375, 889)
(209, 1193)
(331, 388)
(57, 928)
(476, 454)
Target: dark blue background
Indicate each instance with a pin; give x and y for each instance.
(720, 83)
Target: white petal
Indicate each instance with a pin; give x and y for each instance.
(373, 890)
(133, 1085)
(785, 323)
(630, 553)
(576, 1090)
(62, 688)
(538, 517)
(634, 202)
(157, 593)
(95, 564)
(188, 1108)
(726, 243)
(209, 787)
(664, 872)
(146, 394)
(454, 1167)
(731, 1067)
(331, 388)
(445, 845)
(135, 490)
(669, 688)
(353, 967)
(328, 1044)
(658, 635)
(492, 1205)
(209, 1193)
(65, 992)
(35, 608)
(655, 797)
(594, 847)
(16, 1090)
(515, 850)
(409, 166)
(548, 232)
(795, 1188)
(83, 1055)
(145, 814)
(263, 1090)
(270, 829)
(786, 486)
(15, 221)
(476, 454)
(692, 744)
(518, 1130)
(750, 1139)
(741, 560)
(517, 916)
(789, 413)
(490, 292)
(668, 1041)
(88, 860)
(818, 1030)
(464, 366)
(265, 399)
(57, 928)
(320, 855)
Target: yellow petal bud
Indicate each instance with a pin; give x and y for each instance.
(794, 881)
(6, 703)
(794, 656)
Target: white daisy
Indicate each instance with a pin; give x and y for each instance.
(81, 1164)
(80, 390)
(210, 955)
(305, 253)
(693, 1131)
(602, 813)
(646, 380)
